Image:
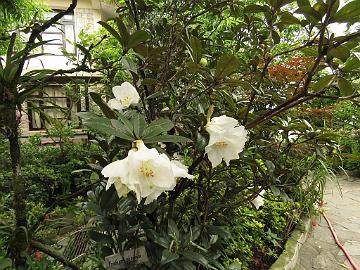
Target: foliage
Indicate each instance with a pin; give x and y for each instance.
(191, 61)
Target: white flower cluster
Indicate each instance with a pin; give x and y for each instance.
(125, 95)
(144, 171)
(227, 139)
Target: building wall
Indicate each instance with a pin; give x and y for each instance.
(86, 16)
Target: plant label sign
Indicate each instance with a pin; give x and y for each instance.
(126, 259)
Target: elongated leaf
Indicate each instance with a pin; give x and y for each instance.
(102, 105)
(348, 13)
(112, 31)
(346, 88)
(341, 52)
(168, 256)
(138, 37)
(226, 65)
(322, 83)
(122, 30)
(352, 63)
(256, 9)
(138, 122)
(196, 48)
(157, 127)
(195, 257)
(116, 124)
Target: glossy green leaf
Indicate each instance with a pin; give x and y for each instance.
(195, 257)
(137, 38)
(196, 48)
(341, 52)
(346, 88)
(256, 9)
(348, 13)
(322, 83)
(96, 97)
(157, 127)
(226, 65)
(112, 31)
(352, 63)
(138, 122)
(168, 256)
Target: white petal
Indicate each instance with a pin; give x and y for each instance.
(117, 168)
(180, 170)
(258, 202)
(121, 189)
(224, 122)
(110, 181)
(214, 156)
(115, 104)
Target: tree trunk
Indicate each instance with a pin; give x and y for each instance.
(20, 241)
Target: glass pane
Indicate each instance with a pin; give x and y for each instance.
(55, 38)
(53, 49)
(68, 17)
(53, 29)
(70, 38)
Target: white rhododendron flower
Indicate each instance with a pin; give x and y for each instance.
(144, 171)
(227, 139)
(125, 95)
(259, 200)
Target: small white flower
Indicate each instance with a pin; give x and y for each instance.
(259, 200)
(227, 139)
(125, 95)
(144, 171)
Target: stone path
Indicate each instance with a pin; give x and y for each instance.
(343, 209)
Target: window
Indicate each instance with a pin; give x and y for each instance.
(62, 35)
(53, 102)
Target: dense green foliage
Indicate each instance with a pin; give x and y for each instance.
(190, 61)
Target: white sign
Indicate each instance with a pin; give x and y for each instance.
(126, 259)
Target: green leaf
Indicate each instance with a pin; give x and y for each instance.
(137, 38)
(109, 198)
(341, 52)
(157, 127)
(195, 257)
(138, 122)
(112, 31)
(226, 65)
(116, 124)
(172, 229)
(346, 88)
(309, 11)
(288, 18)
(123, 31)
(167, 138)
(322, 83)
(168, 256)
(5, 263)
(256, 9)
(275, 37)
(351, 64)
(96, 97)
(196, 48)
(348, 13)
(302, 3)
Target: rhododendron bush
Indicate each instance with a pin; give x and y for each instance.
(199, 125)
(203, 124)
